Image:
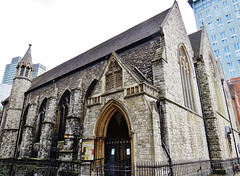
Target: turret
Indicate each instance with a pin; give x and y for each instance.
(21, 83)
(25, 67)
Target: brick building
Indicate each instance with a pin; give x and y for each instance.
(150, 94)
(234, 88)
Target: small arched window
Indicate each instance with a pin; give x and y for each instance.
(27, 71)
(22, 70)
(40, 119)
(186, 78)
(63, 109)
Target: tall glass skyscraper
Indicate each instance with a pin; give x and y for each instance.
(38, 69)
(221, 19)
(10, 70)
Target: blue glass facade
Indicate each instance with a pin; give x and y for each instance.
(10, 71)
(38, 69)
(221, 19)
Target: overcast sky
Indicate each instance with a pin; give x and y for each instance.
(62, 29)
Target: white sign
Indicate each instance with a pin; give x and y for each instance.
(128, 151)
(113, 152)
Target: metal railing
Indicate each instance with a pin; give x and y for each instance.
(29, 167)
(193, 168)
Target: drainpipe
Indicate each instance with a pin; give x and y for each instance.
(203, 112)
(159, 106)
(222, 80)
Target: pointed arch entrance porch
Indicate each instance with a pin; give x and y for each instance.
(114, 134)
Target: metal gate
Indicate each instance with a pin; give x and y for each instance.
(117, 156)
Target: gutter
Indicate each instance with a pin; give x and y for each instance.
(159, 107)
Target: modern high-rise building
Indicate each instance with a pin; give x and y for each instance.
(10, 70)
(221, 18)
(38, 69)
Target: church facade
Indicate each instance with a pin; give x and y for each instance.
(150, 94)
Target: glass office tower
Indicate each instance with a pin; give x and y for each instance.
(221, 19)
(38, 69)
(10, 71)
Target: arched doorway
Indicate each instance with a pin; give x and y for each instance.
(117, 143)
(114, 137)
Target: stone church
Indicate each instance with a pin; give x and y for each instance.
(150, 94)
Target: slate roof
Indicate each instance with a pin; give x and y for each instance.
(131, 36)
(195, 39)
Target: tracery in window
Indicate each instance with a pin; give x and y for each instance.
(63, 109)
(186, 79)
(113, 76)
(40, 119)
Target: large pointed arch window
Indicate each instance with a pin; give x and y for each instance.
(63, 109)
(40, 119)
(186, 78)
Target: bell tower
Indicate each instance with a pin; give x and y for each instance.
(25, 67)
(21, 83)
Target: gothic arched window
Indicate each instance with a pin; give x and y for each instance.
(113, 76)
(27, 71)
(63, 109)
(24, 120)
(186, 78)
(22, 68)
(40, 119)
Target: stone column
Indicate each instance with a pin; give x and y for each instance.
(48, 127)
(28, 130)
(73, 125)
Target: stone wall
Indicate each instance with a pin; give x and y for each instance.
(184, 131)
(12, 120)
(77, 83)
(141, 115)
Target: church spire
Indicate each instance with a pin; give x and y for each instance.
(25, 67)
(27, 59)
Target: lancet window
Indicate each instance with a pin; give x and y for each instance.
(62, 115)
(186, 78)
(24, 120)
(40, 119)
(27, 71)
(22, 68)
